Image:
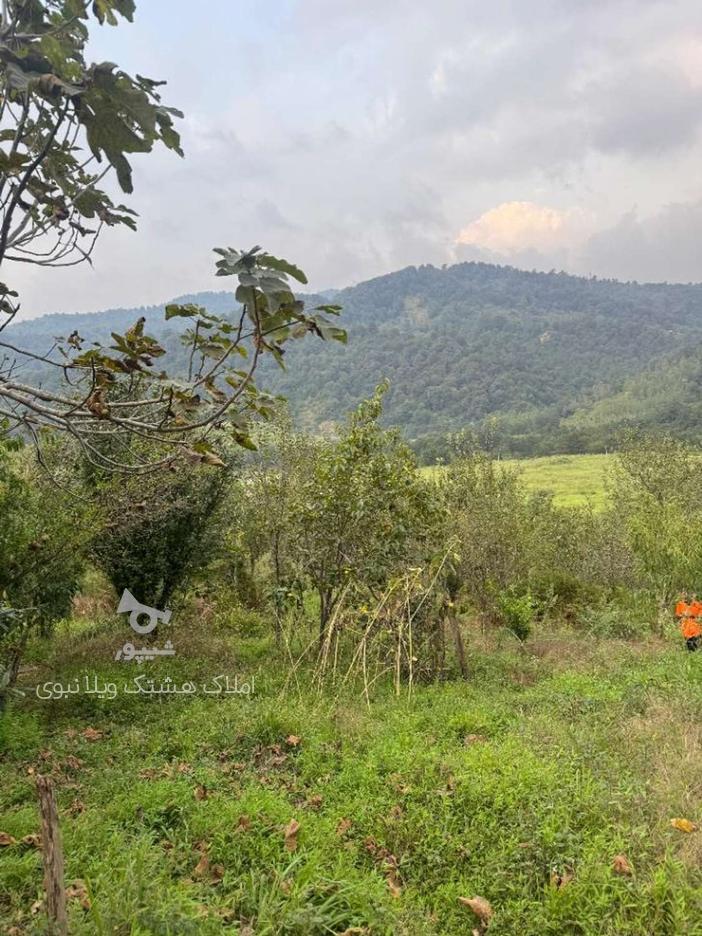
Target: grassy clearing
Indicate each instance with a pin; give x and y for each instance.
(574, 480)
(521, 786)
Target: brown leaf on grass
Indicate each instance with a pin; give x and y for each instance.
(243, 824)
(73, 762)
(343, 827)
(36, 907)
(7, 839)
(92, 734)
(149, 773)
(184, 768)
(471, 739)
(480, 907)
(293, 740)
(559, 879)
(216, 874)
(315, 801)
(621, 865)
(201, 792)
(31, 841)
(291, 832)
(77, 890)
(202, 868)
(683, 825)
(392, 876)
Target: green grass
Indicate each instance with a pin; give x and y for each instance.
(547, 762)
(574, 480)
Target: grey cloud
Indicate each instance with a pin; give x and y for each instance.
(665, 247)
(645, 111)
(356, 136)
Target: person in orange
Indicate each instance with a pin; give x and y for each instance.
(690, 615)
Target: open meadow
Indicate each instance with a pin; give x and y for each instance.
(546, 784)
(574, 480)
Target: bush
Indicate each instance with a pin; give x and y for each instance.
(517, 613)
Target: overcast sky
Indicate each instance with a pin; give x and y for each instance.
(357, 137)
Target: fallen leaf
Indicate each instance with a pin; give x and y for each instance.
(560, 880)
(480, 907)
(293, 740)
(201, 792)
(7, 839)
(473, 739)
(75, 763)
(343, 827)
(92, 734)
(683, 825)
(392, 876)
(244, 823)
(36, 907)
(31, 841)
(216, 873)
(621, 865)
(315, 801)
(291, 832)
(77, 890)
(148, 773)
(202, 868)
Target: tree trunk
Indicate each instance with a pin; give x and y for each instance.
(460, 648)
(53, 859)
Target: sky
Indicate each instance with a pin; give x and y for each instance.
(356, 138)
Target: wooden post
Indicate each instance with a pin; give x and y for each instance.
(52, 851)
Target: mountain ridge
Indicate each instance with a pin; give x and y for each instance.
(522, 354)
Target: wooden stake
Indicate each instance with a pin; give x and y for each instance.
(53, 859)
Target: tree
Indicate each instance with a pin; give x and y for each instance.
(359, 510)
(44, 535)
(157, 530)
(487, 513)
(657, 494)
(64, 126)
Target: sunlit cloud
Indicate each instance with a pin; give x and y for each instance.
(520, 225)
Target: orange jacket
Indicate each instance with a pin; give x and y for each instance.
(690, 628)
(682, 608)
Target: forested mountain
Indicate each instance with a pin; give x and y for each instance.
(541, 362)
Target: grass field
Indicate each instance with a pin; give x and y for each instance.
(574, 480)
(521, 786)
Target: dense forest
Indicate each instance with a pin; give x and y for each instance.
(535, 362)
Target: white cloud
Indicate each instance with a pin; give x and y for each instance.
(522, 225)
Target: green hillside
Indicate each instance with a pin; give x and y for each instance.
(537, 363)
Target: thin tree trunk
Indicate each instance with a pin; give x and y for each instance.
(53, 859)
(460, 648)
